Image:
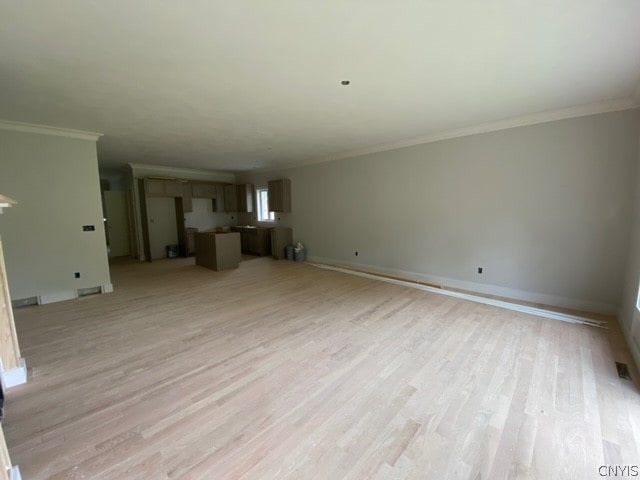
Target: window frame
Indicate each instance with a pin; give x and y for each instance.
(271, 216)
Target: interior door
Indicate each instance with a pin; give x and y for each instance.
(117, 223)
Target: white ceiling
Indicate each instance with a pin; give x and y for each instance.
(246, 84)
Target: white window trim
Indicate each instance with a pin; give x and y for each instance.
(259, 205)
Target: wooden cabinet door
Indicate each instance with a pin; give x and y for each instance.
(172, 188)
(159, 187)
(252, 242)
(197, 190)
(187, 199)
(154, 187)
(275, 195)
(264, 242)
(244, 193)
(220, 199)
(230, 198)
(241, 198)
(204, 190)
(279, 195)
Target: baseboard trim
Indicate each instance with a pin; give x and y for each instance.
(24, 302)
(474, 298)
(65, 295)
(480, 288)
(15, 376)
(57, 297)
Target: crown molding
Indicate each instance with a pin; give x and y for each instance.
(514, 122)
(48, 130)
(177, 171)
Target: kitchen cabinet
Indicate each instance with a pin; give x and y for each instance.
(238, 198)
(281, 237)
(217, 251)
(279, 195)
(160, 187)
(245, 197)
(172, 188)
(219, 202)
(190, 241)
(187, 198)
(254, 240)
(216, 192)
(230, 198)
(154, 187)
(204, 190)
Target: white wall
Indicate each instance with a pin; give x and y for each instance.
(55, 181)
(204, 218)
(629, 315)
(544, 209)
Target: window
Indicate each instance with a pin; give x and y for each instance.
(264, 215)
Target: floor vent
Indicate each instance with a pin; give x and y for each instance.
(623, 371)
(24, 302)
(83, 292)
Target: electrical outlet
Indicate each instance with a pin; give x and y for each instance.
(356, 253)
(479, 269)
(77, 274)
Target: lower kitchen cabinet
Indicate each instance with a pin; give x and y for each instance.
(254, 240)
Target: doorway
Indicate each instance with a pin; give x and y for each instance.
(117, 225)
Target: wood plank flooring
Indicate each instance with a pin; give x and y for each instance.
(282, 370)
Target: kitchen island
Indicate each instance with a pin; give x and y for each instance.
(218, 250)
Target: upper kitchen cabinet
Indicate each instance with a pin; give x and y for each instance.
(159, 187)
(279, 195)
(245, 197)
(154, 187)
(238, 198)
(220, 199)
(204, 190)
(173, 188)
(187, 197)
(230, 198)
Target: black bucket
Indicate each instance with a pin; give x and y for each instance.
(289, 252)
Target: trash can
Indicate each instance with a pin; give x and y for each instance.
(299, 254)
(172, 251)
(289, 252)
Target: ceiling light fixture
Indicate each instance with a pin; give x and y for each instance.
(345, 82)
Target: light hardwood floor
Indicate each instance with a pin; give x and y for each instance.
(282, 370)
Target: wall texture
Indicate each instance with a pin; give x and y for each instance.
(544, 210)
(55, 181)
